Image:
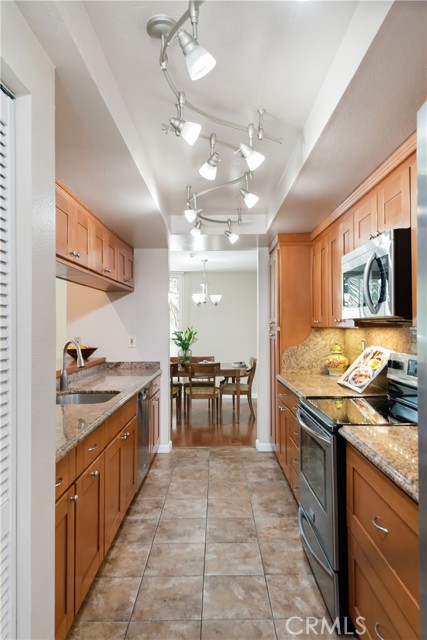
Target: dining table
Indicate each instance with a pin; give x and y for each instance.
(235, 370)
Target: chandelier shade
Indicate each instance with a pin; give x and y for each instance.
(202, 298)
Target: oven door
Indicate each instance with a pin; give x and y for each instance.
(318, 483)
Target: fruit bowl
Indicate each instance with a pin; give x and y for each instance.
(86, 352)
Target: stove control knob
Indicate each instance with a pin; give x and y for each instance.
(395, 364)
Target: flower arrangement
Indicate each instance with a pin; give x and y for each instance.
(184, 339)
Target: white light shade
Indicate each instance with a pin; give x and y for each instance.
(250, 198)
(208, 171)
(196, 231)
(253, 158)
(190, 214)
(215, 298)
(199, 62)
(199, 298)
(232, 237)
(190, 132)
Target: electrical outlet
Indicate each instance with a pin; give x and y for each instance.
(132, 341)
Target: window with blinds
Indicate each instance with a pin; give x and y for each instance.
(7, 386)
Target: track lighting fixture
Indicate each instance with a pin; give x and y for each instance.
(209, 168)
(190, 131)
(250, 198)
(253, 158)
(232, 237)
(199, 61)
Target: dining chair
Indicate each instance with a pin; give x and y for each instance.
(175, 390)
(230, 388)
(202, 386)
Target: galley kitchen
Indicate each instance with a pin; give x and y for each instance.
(273, 154)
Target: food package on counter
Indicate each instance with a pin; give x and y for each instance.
(365, 369)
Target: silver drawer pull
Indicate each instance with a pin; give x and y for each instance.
(295, 461)
(59, 482)
(125, 436)
(377, 624)
(107, 270)
(76, 254)
(95, 474)
(74, 498)
(374, 518)
(95, 446)
(281, 409)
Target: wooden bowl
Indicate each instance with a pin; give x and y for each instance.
(86, 352)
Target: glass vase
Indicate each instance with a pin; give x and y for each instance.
(184, 356)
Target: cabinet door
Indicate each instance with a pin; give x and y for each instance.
(98, 249)
(319, 283)
(89, 527)
(64, 222)
(365, 219)
(80, 237)
(64, 563)
(125, 263)
(274, 370)
(340, 242)
(128, 475)
(274, 266)
(282, 424)
(110, 245)
(394, 207)
(113, 504)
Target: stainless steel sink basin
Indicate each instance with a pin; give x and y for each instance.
(85, 397)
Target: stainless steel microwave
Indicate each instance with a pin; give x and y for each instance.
(376, 278)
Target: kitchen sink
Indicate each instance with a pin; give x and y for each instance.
(84, 397)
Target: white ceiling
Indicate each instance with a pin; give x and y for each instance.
(340, 81)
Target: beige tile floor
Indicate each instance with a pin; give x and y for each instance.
(209, 549)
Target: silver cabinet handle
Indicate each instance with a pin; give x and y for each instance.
(125, 436)
(107, 270)
(316, 321)
(374, 518)
(59, 482)
(74, 498)
(95, 446)
(76, 254)
(337, 320)
(282, 409)
(95, 474)
(377, 624)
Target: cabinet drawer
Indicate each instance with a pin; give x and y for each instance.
(373, 501)
(293, 429)
(293, 454)
(292, 401)
(119, 418)
(90, 448)
(65, 473)
(370, 599)
(294, 480)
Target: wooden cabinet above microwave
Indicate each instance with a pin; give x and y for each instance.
(87, 252)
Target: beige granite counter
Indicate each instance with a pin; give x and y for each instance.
(75, 422)
(305, 385)
(393, 450)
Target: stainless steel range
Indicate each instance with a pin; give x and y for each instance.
(322, 518)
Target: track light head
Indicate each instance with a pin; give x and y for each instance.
(190, 214)
(189, 131)
(197, 229)
(232, 237)
(199, 61)
(250, 198)
(253, 158)
(209, 168)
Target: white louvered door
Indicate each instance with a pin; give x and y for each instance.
(7, 377)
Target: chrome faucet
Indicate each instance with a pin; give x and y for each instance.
(63, 385)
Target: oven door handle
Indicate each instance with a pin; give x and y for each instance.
(373, 308)
(323, 566)
(311, 431)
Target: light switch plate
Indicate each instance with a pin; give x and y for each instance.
(132, 341)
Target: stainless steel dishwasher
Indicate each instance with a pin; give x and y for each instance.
(143, 441)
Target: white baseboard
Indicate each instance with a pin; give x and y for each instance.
(263, 446)
(165, 448)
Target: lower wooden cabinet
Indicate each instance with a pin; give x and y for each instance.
(382, 524)
(95, 484)
(287, 451)
(154, 417)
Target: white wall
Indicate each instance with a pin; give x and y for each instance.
(29, 74)
(107, 320)
(263, 403)
(229, 330)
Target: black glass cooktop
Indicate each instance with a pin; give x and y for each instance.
(381, 410)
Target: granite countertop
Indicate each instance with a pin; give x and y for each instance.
(393, 450)
(75, 422)
(310, 385)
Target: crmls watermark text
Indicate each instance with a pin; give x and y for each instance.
(320, 626)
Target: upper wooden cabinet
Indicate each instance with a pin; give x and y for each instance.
(87, 251)
(365, 215)
(319, 282)
(340, 242)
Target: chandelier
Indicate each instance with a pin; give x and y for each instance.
(204, 296)
(199, 62)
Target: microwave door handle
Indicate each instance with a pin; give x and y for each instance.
(304, 426)
(373, 308)
(301, 515)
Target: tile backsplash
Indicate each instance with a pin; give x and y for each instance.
(310, 354)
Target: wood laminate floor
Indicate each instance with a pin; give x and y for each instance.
(202, 431)
(209, 549)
